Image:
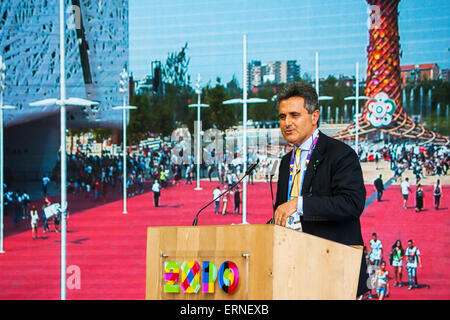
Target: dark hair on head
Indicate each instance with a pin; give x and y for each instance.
(303, 90)
(374, 234)
(400, 245)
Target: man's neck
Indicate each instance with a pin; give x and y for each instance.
(298, 144)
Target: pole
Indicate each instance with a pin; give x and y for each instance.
(198, 139)
(357, 108)
(63, 149)
(1, 168)
(317, 73)
(244, 183)
(124, 124)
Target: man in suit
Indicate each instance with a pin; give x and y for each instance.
(320, 188)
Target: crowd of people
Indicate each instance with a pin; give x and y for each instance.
(378, 272)
(422, 161)
(16, 203)
(93, 177)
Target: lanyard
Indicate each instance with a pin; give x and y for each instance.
(315, 137)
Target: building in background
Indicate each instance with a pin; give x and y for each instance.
(445, 74)
(151, 83)
(414, 73)
(96, 44)
(275, 72)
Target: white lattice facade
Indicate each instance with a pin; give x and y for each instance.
(96, 44)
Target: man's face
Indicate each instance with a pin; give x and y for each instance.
(296, 123)
(410, 244)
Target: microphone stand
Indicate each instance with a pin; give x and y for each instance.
(272, 220)
(249, 170)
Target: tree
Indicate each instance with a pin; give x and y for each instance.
(177, 84)
(141, 119)
(160, 113)
(218, 115)
(338, 90)
(263, 111)
(176, 68)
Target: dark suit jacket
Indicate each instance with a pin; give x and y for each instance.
(333, 195)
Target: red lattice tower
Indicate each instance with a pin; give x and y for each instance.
(383, 75)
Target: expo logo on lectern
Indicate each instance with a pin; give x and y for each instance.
(188, 276)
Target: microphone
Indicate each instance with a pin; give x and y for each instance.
(252, 167)
(249, 170)
(272, 173)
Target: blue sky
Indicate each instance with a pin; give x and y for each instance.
(278, 30)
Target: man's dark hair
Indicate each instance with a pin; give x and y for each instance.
(303, 90)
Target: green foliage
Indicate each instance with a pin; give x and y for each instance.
(437, 124)
(339, 91)
(176, 68)
(101, 134)
(218, 115)
(264, 111)
(440, 96)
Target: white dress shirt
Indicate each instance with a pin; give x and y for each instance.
(305, 147)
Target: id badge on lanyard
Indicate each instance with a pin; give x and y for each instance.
(293, 221)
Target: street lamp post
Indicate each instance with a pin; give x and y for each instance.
(244, 101)
(198, 106)
(2, 107)
(123, 89)
(62, 103)
(321, 98)
(356, 97)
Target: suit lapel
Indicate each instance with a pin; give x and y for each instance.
(285, 177)
(316, 159)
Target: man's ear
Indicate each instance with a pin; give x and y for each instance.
(315, 116)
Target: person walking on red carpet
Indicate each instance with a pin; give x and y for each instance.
(412, 254)
(406, 189)
(226, 199)
(396, 259)
(156, 188)
(376, 250)
(381, 280)
(34, 221)
(237, 200)
(378, 183)
(419, 198)
(437, 191)
(216, 194)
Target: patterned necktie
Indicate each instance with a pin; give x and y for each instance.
(295, 192)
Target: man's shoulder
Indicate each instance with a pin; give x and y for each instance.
(333, 144)
(286, 156)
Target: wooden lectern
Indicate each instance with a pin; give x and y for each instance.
(273, 262)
